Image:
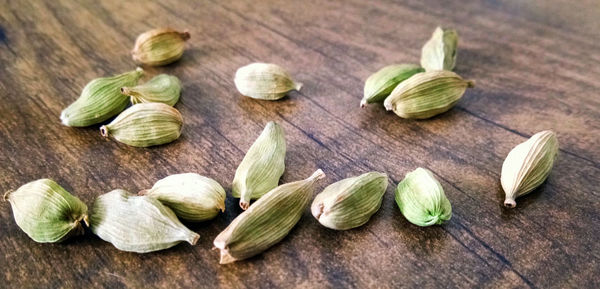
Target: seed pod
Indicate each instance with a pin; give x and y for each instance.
(159, 46)
(427, 94)
(380, 84)
(264, 81)
(439, 53)
(100, 100)
(267, 221)
(46, 211)
(192, 197)
(528, 165)
(261, 168)
(137, 223)
(145, 124)
(161, 88)
(351, 202)
(421, 199)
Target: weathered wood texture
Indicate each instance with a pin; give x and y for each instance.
(536, 65)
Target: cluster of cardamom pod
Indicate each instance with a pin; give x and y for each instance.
(151, 119)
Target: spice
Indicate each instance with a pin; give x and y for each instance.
(159, 46)
(264, 81)
(380, 84)
(161, 88)
(439, 53)
(421, 199)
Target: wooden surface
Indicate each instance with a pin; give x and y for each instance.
(536, 66)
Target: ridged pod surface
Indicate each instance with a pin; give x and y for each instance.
(161, 88)
(159, 46)
(439, 52)
(381, 83)
(264, 81)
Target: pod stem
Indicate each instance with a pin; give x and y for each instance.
(317, 175)
(193, 239)
(5, 196)
(363, 103)
(104, 131)
(244, 204)
(185, 35)
(470, 83)
(510, 203)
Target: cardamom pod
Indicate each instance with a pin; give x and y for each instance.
(161, 88)
(267, 221)
(145, 124)
(380, 84)
(351, 202)
(159, 46)
(439, 53)
(46, 212)
(528, 165)
(100, 100)
(427, 94)
(192, 197)
(137, 223)
(262, 166)
(421, 199)
(264, 81)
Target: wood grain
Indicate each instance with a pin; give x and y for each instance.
(536, 66)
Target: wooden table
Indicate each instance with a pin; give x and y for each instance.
(536, 65)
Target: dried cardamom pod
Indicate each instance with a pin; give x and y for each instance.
(427, 94)
(261, 168)
(380, 84)
(161, 88)
(421, 199)
(351, 202)
(145, 124)
(528, 165)
(267, 221)
(192, 197)
(264, 81)
(137, 223)
(439, 53)
(100, 100)
(46, 211)
(159, 46)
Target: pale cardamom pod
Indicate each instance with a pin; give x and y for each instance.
(145, 124)
(439, 53)
(351, 202)
(528, 165)
(421, 199)
(161, 88)
(137, 223)
(261, 168)
(100, 100)
(427, 94)
(380, 84)
(46, 212)
(264, 81)
(159, 46)
(192, 197)
(267, 221)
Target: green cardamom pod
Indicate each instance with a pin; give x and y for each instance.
(192, 197)
(264, 81)
(137, 223)
(145, 124)
(261, 168)
(159, 46)
(100, 100)
(380, 84)
(528, 165)
(439, 53)
(161, 88)
(427, 94)
(267, 221)
(421, 199)
(351, 202)
(46, 212)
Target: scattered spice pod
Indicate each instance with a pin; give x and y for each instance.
(380, 84)
(528, 165)
(138, 224)
(351, 202)
(46, 212)
(192, 197)
(262, 166)
(100, 100)
(421, 199)
(264, 81)
(161, 88)
(145, 124)
(439, 53)
(159, 46)
(267, 221)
